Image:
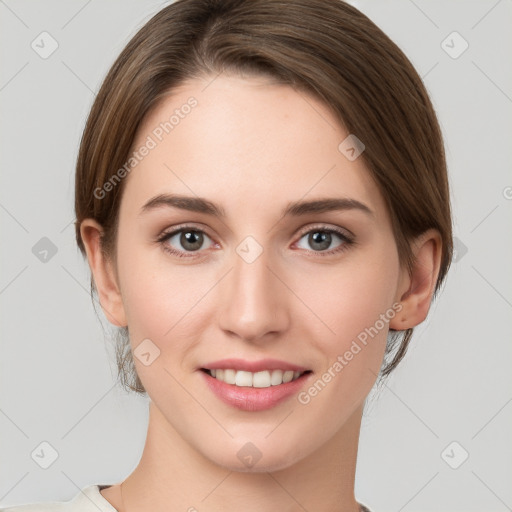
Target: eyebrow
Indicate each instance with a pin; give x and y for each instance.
(296, 208)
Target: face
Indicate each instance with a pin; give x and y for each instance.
(238, 271)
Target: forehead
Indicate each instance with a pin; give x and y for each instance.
(244, 140)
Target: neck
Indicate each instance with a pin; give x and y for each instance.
(172, 475)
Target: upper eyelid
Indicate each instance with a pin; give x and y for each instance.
(176, 229)
(326, 227)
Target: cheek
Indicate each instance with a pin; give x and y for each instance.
(160, 314)
(156, 292)
(352, 355)
(355, 302)
(352, 297)
(165, 302)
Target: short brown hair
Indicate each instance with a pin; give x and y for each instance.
(326, 48)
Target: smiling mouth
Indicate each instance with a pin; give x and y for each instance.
(262, 379)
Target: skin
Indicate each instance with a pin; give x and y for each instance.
(252, 147)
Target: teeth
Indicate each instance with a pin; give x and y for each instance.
(263, 379)
(276, 377)
(229, 376)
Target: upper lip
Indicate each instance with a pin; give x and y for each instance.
(253, 366)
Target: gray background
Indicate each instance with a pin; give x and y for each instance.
(57, 371)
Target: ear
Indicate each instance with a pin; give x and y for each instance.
(103, 274)
(415, 290)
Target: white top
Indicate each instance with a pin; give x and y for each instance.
(89, 499)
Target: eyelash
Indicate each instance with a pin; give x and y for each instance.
(347, 241)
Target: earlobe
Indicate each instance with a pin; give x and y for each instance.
(103, 274)
(416, 290)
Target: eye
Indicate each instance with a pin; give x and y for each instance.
(321, 240)
(184, 240)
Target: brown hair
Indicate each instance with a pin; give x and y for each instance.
(326, 48)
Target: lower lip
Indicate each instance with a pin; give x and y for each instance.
(253, 399)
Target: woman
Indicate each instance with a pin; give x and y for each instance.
(262, 197)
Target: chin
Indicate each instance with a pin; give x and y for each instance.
(267, 466)
(248, 458)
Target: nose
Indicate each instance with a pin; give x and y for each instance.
(254, 300)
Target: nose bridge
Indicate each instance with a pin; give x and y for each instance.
(253, 302)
